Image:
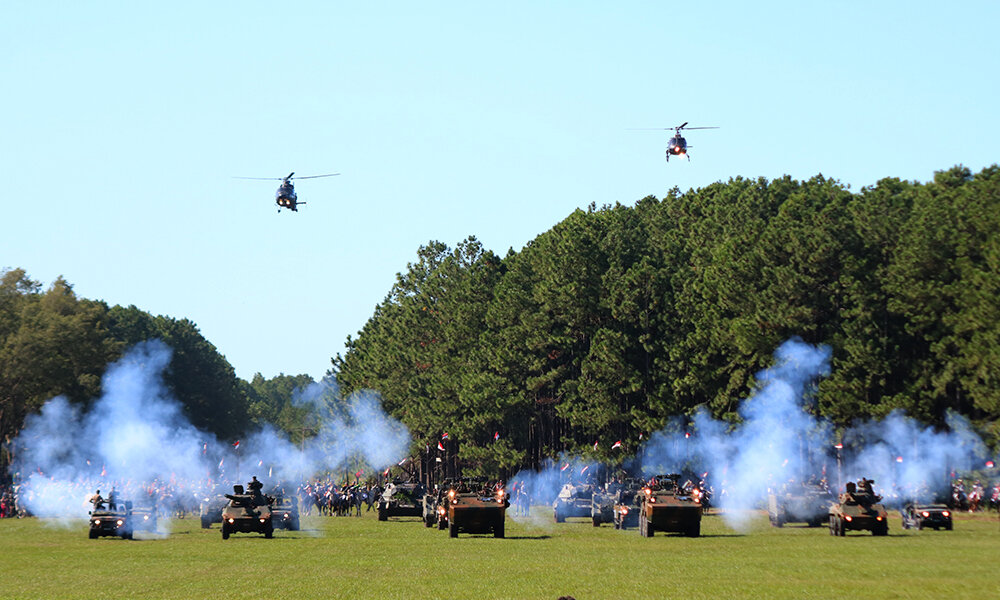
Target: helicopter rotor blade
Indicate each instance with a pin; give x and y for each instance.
(682, 126)
(315, 176)
(689, 128)
(262, 178)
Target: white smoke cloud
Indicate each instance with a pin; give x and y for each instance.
(135, 436)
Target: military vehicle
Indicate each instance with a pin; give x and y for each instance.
(144, 519)
(436, 507)
(247, 513)
(920, 516)
(664, 506)
(602, 504)
(573, 501)
(285, 513)
(401, 500)
(475, 509)
(107, 521)
(799, 503)
(859, 509)
(626, 506)
(211, 509)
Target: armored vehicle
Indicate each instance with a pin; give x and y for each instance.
(626, 506)
(285, 513)
(859, 509)
(472, 510)
(573, 501)
(919, 516)
(117, 521)
(401, 500)
(799, 503)
(211, 510)
(602, 504)
(247, 513)
(664, 506)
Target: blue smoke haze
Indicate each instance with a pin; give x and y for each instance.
(135, 437)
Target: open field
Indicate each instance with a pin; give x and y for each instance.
(350, 557)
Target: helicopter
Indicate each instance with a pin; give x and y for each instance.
(677, 145)
(285, 196)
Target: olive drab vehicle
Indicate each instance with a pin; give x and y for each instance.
(111, 520)
(602, 504)
(926, 516)
(799, 503)
(210, 508)
(476, 508)
(285, 513)
(626, 505)
(401, 500)
(859, 509)
(573, 501)
(664, 506)
(247, 513)
(436, 506)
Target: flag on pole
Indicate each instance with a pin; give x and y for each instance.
(236, 444)
(496, 436)
(220, 463)
(640, 435)
(617, 444)
(440, 447)
(386, 472)
(595, 445)
(104, 471)
(584, 470)
(444, 435)
(564, 467)
(204, 449)
(687, 434)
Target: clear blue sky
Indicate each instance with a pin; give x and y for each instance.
(124, 124)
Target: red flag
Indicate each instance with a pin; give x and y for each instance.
(496, 436)
(640, 435)
(565, 466)
(220, 463)
(444, 435)
(236, 444)
(358, 474)
(104, 471)
(617, 444)
(687, 434)
(386, 473)
(595, 445)
(584, 470)
(440, 447)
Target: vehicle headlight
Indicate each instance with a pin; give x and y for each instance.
(119, 522)
(926, 514)
(848, 518)
(97, 521)
(262, 520)
(946, 513)
(624, 511)
(231, 520)
(878, 518)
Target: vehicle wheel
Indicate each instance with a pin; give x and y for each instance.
(881, 530)
(920, 526)
(92, 534)
(453, 530)
(947, 527)
(694, 530)
(295, 525)
(225, 531)
(269, 532)
(427, 522)
(442, 524)
(841, 530)
(559, 516)
(597, 522)
(382, 513)
(498, 528)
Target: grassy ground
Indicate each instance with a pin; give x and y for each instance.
(350, 557)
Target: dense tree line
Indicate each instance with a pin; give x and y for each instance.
(619, 319)
(54, 343)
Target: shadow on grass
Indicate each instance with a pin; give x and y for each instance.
(528, 537)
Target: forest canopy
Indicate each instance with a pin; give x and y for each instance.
(616, 322)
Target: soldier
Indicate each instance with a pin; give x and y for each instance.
(97, 500)
(113, 499)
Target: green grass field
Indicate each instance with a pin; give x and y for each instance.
(351, 557)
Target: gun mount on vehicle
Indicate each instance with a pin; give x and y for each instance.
(247, 513)
(401, 500)
(799, 502)
(859, 509)
(664, 506)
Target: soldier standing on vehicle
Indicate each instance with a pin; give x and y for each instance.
(97, 500)
(113, 499)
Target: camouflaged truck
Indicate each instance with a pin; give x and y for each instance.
(924, 516)
(799, 503)
(859, 509)
(246, 513)
(285, 513)
(573, 501)
(107, 521)
(476, 509)
(210, 509)
(401, 500)
(626, 506)
(435, 506)
(664, 506)
(602, 504)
